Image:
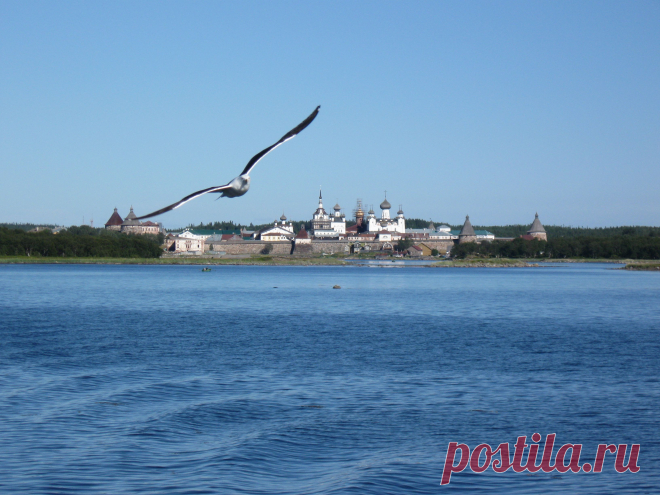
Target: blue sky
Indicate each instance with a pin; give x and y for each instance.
(492, 109)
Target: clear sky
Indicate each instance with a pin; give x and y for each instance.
(492, 109)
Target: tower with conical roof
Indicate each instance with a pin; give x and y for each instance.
(130, 223)
(115, 221)
(467, 233)
(537, 230)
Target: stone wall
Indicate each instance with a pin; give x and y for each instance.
(313, 248)
(543, 236)
(441, 246)
(252, 247)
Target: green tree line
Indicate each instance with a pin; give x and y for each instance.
(80, 241)
(26, 226)
(297, 225)
(615, 247)
(553, 231)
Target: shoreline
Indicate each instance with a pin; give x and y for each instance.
(642, 267)
(319, 261)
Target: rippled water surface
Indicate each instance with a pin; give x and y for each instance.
(164, 379)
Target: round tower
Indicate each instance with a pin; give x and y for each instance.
(467, 233)
(537, 230)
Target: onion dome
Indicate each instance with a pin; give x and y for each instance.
(337, 207)
(283, 217)
(536, 226)
(371, 211)
(467, 227)
(385, 205)
(400, 212)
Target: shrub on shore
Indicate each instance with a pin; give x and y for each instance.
(618, 247)
(80, 242)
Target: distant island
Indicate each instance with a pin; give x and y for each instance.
(84, 244)
(327, 236)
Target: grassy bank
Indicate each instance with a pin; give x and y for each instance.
(256, 260)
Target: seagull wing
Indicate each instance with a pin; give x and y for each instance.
(194, 195)
(255, 159)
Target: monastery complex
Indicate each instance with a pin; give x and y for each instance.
(328, 235)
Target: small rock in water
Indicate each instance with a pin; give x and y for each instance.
(336, 287)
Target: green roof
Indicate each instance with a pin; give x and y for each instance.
(476, 232)
(212, 232)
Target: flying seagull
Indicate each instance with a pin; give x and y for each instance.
(241, 184)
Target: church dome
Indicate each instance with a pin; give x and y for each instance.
(283, 217)
(337, 207)
(385, 205)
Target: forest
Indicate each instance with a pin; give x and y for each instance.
(614, 247)
(79, 242)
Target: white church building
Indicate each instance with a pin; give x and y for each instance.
(385, 222)
(326, 226)
(279, 231)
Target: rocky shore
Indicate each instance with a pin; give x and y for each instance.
(647, 267)
(485, 264)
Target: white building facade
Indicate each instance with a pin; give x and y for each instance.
(385, 222)
(325, 226)
(281, 231)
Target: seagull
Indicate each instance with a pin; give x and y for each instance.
(240, 185)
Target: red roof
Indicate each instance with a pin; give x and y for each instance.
(302, 234)
(352, 228)
(115, 219)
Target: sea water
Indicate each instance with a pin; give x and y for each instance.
(265, 380)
